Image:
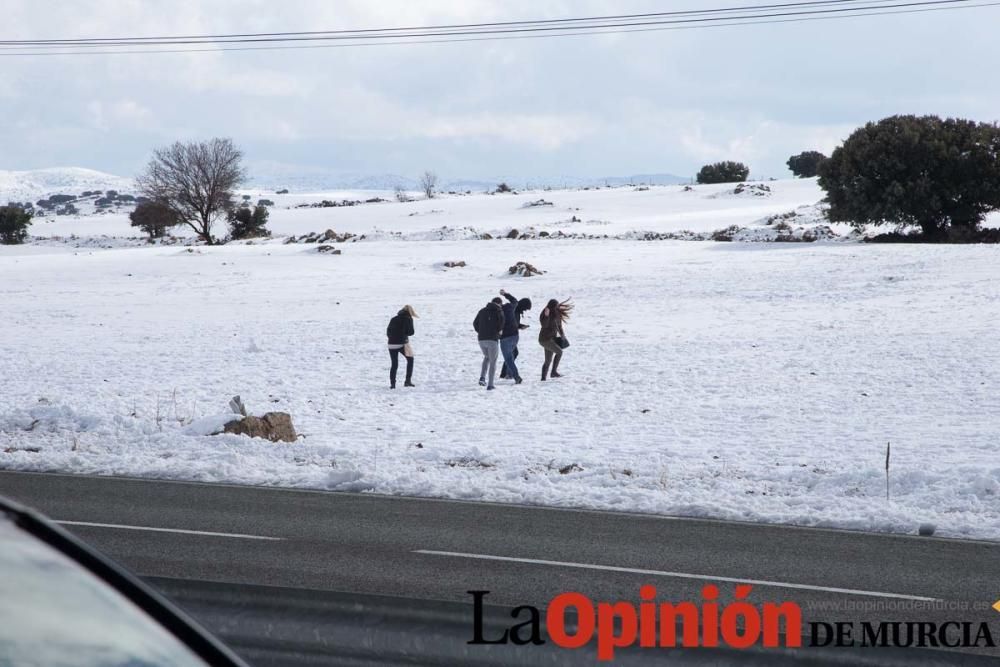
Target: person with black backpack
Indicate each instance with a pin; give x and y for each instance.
(399, 331)
(489, 325)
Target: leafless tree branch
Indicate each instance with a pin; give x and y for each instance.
(195, 180)
(428, 182)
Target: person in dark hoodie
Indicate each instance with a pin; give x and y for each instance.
(489, 325)
(512, 311)
(551, 334)
(399, 331)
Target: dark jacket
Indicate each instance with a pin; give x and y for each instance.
(512, 312)
(400, 328)
(489, 322)
(551, 325)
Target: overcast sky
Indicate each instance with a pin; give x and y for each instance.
(575, 106)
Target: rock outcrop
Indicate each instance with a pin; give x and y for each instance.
(273, 426)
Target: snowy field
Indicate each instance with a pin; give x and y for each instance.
(756, 381)
(583, 212)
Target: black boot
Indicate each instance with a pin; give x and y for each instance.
(409, 373)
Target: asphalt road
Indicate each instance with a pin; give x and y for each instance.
(263, 551)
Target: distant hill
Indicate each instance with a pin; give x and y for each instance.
(40, 183)
(273, 176)
(267, 175)
(35, 184)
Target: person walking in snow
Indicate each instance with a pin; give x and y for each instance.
(489, 325)
(552, 336)
(512, 311)
(399, 331)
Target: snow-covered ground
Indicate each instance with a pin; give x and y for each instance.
(588, 212)
(751, 381)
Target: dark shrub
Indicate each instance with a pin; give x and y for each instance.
(726, 234)
(154, 218)
(940, 175)
(14, 223)
(806, 165)
(245, 223)
(724, 172)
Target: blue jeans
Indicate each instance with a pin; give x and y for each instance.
(507, 346)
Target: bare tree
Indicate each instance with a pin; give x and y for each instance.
(428, 182)
(195, 180)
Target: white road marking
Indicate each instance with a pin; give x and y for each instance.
(206, 533)
(678, 575)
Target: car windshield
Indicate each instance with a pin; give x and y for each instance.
(57, 613)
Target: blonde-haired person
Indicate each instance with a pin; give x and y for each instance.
(551, 336)
(399, 331)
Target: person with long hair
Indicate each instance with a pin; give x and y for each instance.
(398, 332)
(552, 336)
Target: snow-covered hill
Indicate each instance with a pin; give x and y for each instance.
(37, 183)
(273, 176)
(629, 212)
(22, 186)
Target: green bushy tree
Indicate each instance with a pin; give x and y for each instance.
(247, 223)
(941, 175)
(14, 222)
(724, 172)
(154, 218)
(806, 164)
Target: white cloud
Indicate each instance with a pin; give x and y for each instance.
(611, 104)
(761, 144)
(118, 115)
(544, 132)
